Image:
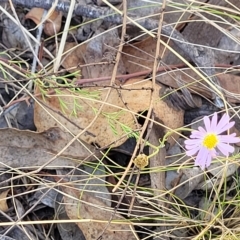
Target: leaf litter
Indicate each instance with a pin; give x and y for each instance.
(72, 164)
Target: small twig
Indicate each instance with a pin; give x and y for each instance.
(134, 193)
(64, 36)
(36, 50)
(123, 78)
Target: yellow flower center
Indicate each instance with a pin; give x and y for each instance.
(210, 141)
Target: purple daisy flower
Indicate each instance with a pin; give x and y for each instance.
(204, 143)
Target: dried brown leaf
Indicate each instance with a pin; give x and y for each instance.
(95, 215)
(74, 57)
(102, 50)
(31, 149)
(122, 103)
(140, 56)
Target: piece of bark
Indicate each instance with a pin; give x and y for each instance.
(158, 160)
(158, 184)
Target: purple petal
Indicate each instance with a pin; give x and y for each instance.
(224, 128)
(229, 138)
(202, 157)
(192, 152)
(202, 130)
(223, 122)
(225, 149)
(214, 122)
(197, 134)
(192, 141)
(213, 153)
(208, 160)
(189, 147)
(207, 123)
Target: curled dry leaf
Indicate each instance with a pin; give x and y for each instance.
(53, 26)
(3, 201)
(53, 22)
(228, 82)
(95, 216)
(116, 116)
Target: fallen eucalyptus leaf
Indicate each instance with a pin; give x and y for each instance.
(115, 117)
(95, 216)
(31, 149)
